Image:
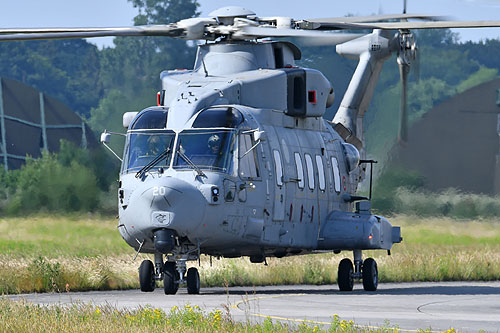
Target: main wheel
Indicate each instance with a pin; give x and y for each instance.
(344, 279)
(147, 276)
(170, 286)
(193, 281)
(370, 275)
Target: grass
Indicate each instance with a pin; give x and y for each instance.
(25, 317)
(55, 236)
(87, 253)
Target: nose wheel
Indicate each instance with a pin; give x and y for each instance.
(365, 270)
(170, 280)
(193, 281)
(147, 276)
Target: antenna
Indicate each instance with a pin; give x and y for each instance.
(404, 6)
(204, 67)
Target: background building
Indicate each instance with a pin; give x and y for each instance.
(31, 122)
(456, 144)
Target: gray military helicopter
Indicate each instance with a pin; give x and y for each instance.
(237, 160)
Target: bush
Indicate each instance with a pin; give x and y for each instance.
(387, 184)
(451, 202)
(47, 184)
(399, 191)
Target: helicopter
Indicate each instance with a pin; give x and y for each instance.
(236, 158)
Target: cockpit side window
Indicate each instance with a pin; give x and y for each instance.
(248, 165)
(218, 117)
(151, 119)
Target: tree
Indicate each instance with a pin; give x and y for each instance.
(67, 70)
(130, 71)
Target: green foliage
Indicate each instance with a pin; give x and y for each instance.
(47, 184)
(67, 70)
(483, 74)
(24, 317)
(450, 203)
(45, 276)
(399, 191)
(164, 11)
(130, 70)
(387, 184)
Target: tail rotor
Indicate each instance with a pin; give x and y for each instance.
(407, 54)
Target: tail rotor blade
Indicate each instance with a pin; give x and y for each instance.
(404, 70)
(416, 67)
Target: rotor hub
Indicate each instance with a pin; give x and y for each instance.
(226, 15)
(407, 48)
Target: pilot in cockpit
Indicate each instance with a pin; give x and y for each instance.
(155, 146)
(214, 144)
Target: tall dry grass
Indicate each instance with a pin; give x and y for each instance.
(433, 249)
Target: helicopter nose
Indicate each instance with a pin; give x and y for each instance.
(167, 203)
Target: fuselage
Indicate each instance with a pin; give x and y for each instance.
(276, 175)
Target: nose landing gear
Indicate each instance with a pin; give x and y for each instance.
(365, 270)
(173, 274)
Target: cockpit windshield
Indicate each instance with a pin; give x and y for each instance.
(210, 149)
(145, 146)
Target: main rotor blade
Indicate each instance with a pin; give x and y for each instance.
(63, 33)
(58, 29)
(304, 36)
(376, 18)
(425, 25)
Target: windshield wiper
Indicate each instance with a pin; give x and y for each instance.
(191, 164)
(154, 162)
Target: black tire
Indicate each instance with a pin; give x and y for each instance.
(147, 276)
(193, 281)
(170, 285)
(370, 275)
(344, 278)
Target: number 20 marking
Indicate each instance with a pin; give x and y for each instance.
(159, 190)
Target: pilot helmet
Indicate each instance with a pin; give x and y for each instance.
(214, 141)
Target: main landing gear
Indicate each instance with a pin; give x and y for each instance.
(365, 270)
(172, 273)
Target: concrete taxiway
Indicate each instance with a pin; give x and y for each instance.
(465, 306)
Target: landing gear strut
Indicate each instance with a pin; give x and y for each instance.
(365, 270)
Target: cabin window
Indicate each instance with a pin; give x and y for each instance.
(321, 173)
(300, 170)
(310, 171)
(336, 174)
(218, 117)
(278, 168)
(247, 156)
